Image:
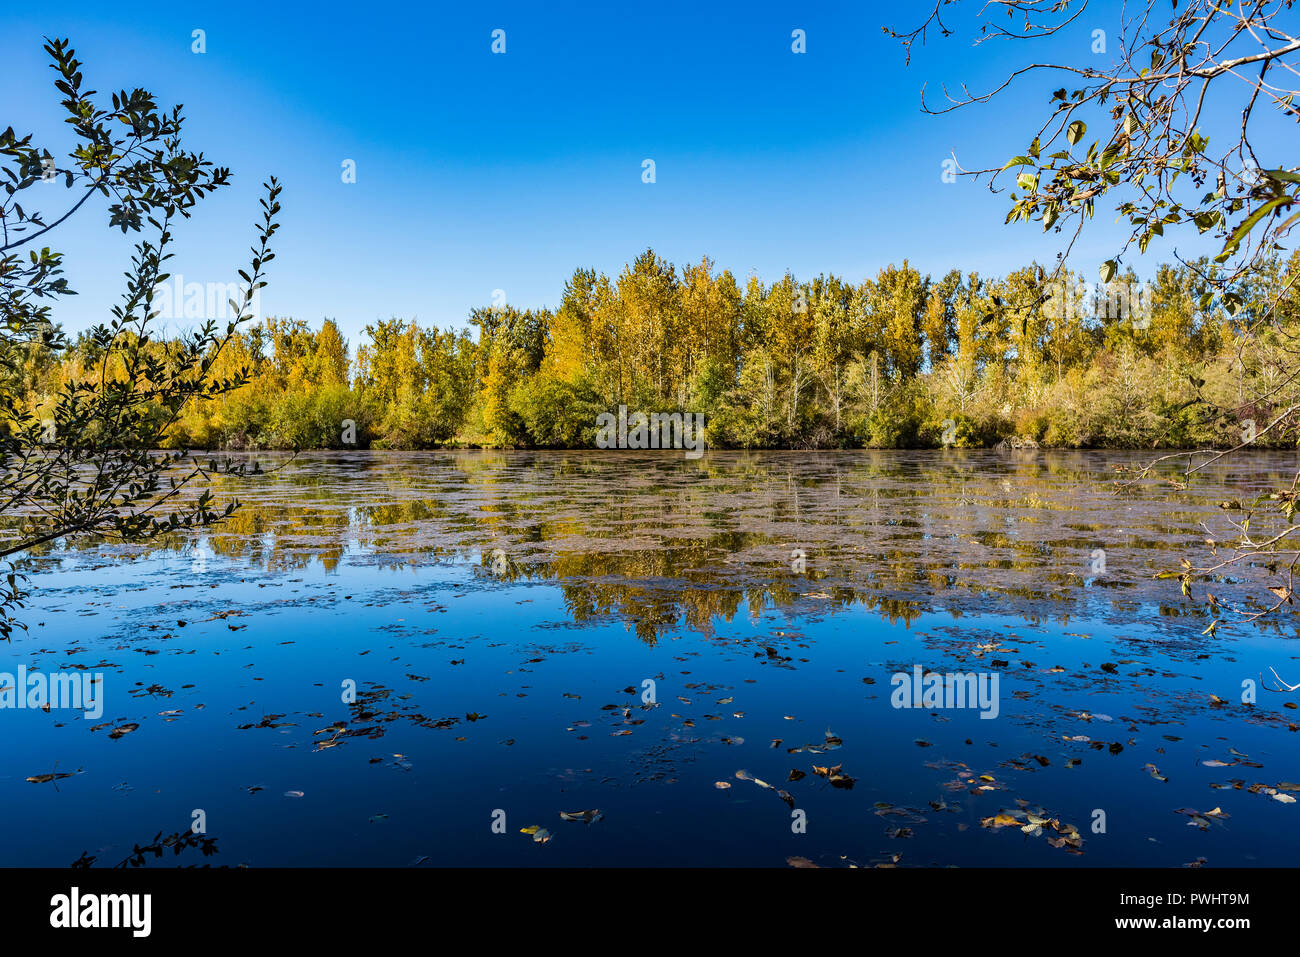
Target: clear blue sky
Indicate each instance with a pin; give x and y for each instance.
(478, 172)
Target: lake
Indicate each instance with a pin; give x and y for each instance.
(424, 659)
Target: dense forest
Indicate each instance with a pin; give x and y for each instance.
(898, 360)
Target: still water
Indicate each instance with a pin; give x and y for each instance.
(423, 659)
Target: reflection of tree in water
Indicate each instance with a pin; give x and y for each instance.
(650, 591)
(657, 540)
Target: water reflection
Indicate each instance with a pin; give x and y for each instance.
(653, 539)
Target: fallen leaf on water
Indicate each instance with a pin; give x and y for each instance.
(1001, 819)
(540, 834)
(586, 816)
(835, 776)
(1199, 819)
(1036, 823)
(746, 776)
(54, 776)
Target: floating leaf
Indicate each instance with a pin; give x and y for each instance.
(835, 776)
(588, 817)
(53, 776)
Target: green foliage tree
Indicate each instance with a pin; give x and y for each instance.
(88, 465)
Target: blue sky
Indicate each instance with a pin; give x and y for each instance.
(478, 172)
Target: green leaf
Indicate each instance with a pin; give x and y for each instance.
(1247, 224)
(1282, 174)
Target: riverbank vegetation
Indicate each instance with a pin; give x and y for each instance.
(900, 359)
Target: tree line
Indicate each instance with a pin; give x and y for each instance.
(898, 360)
